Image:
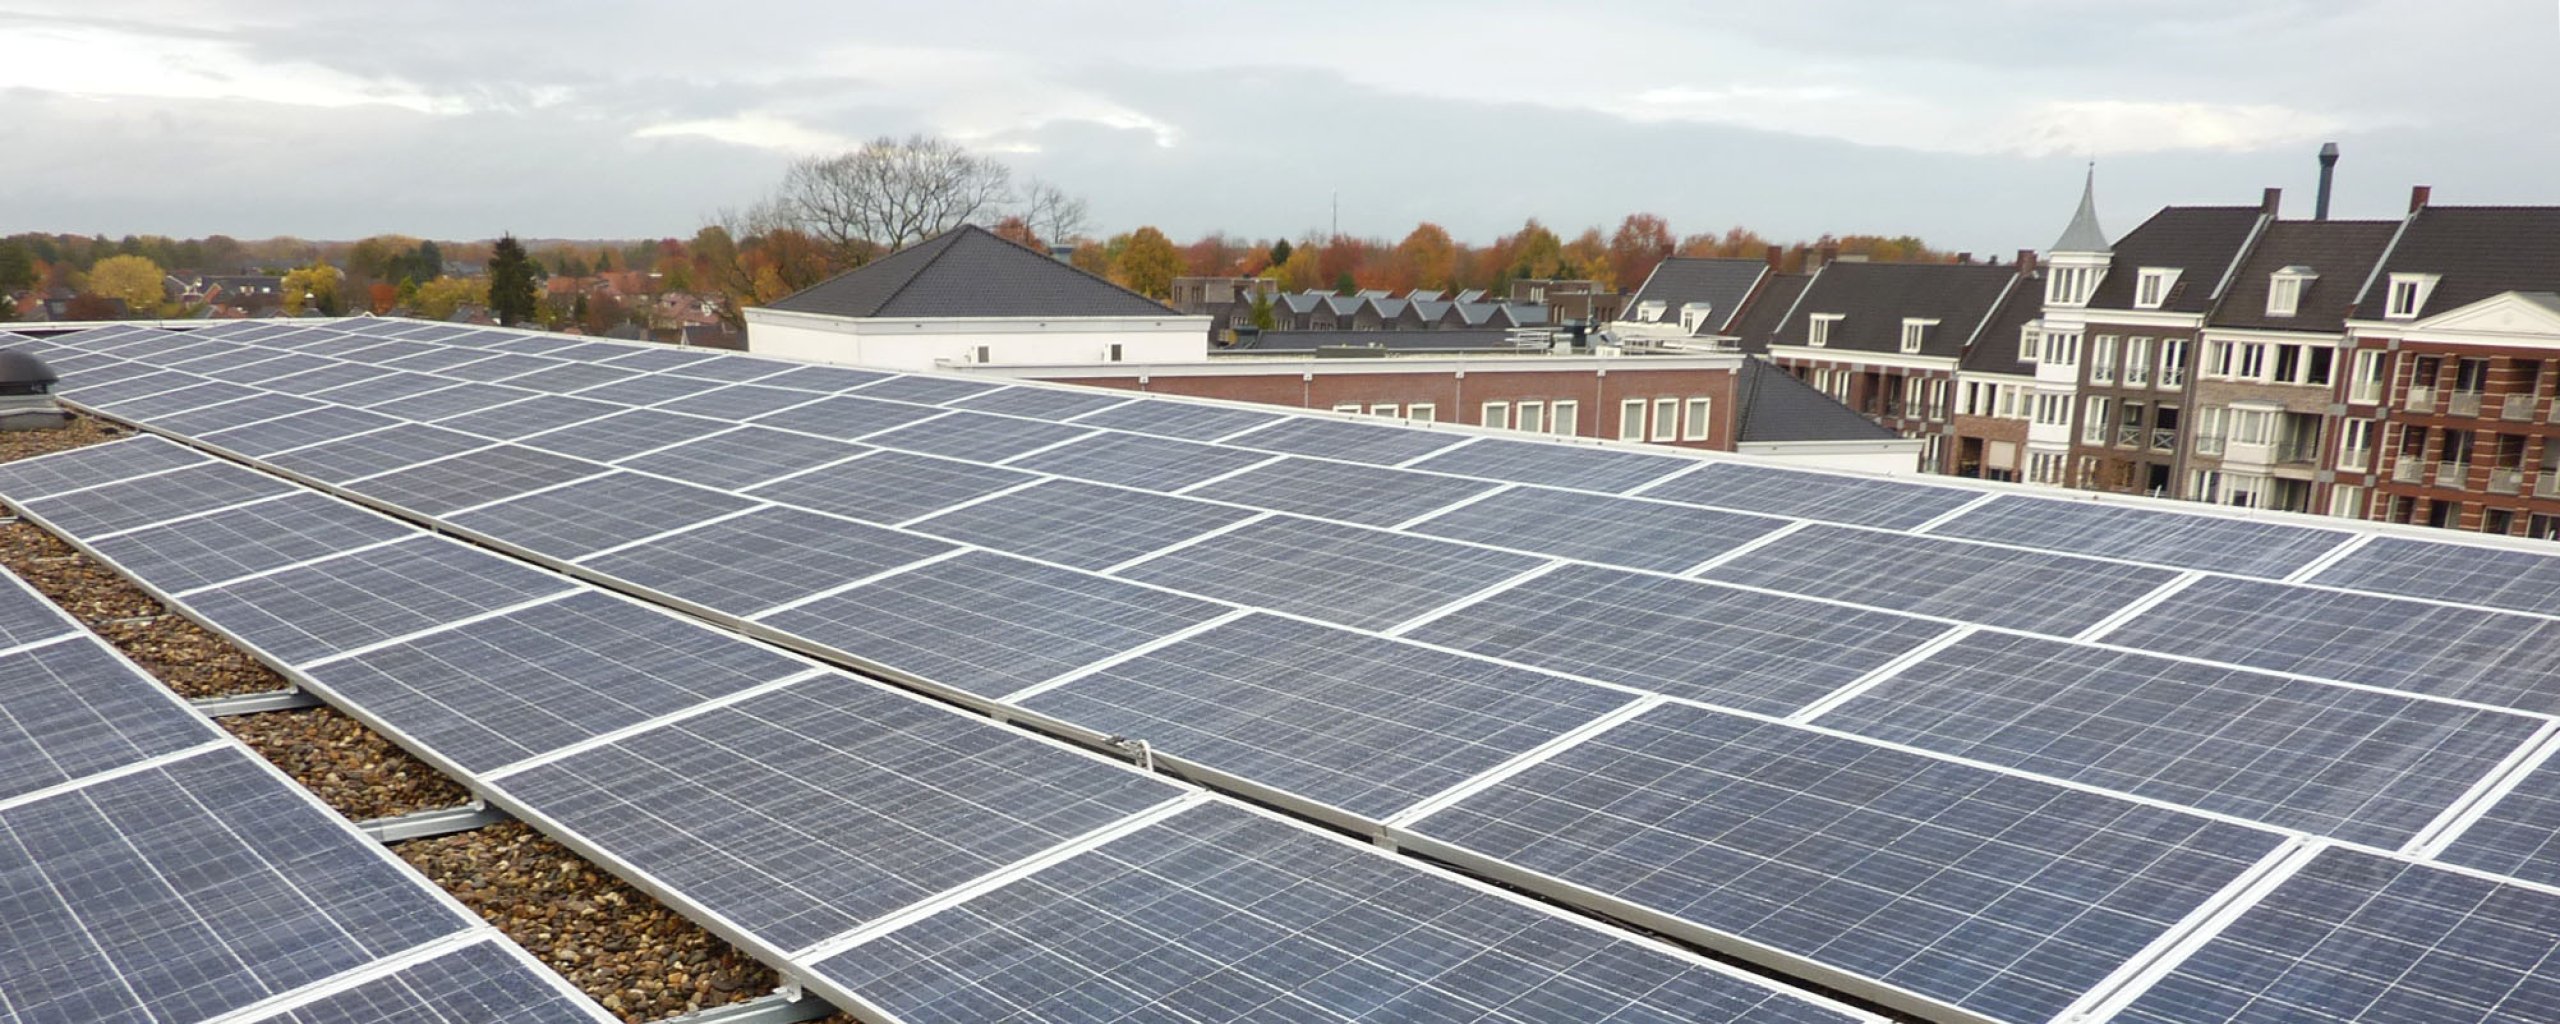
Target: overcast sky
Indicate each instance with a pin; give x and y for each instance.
(1966, 122)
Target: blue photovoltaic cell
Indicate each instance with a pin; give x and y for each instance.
(591, 351)
(2006, 896)
(738, 401)
(534, 415)
(101, 395)
(1968, 582)
(1841, 499)
(325, 382)
(1612, 531)
(809, 811)
(1581, 467)
(1374, 443)
(769, 556)
(733, 368)
(2183, 539)
(26, 617)
(656, 358)
(289, 364)
(326, 423)
(382, 390)
(87, 467)
(1359, 722)
(910, 387)
(253, 409)
(2443, 651)
(891, 487)
(252, 538)
(821, 378)
(1366, 579)
(1368, 495)
(1218, 914)
(431, 359)
(847, 416)
(508, 341)
(474, 478)
(1756, 652)
(341, 346)
(1180, 420)
(1136, 460)
(152, 407)
(497, 691)
(452, 401)
(570, 377)
(592, 515)
(188, 891)
(991, 625)
(111, 374)
(645, 389)
(1084, 525)
(744, 457)
(2356, 937)
(326, 607)
(500, 367)
(127, 504)
(2518, 835)
(1043, 403)
(2352, 764)
(977, 437)
(480, 983)
(2522, 581)
(71, 709)
(380, 451)
(222, 365)
(624, 434)
(386, 351)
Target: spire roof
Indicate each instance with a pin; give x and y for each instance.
(2084, 235)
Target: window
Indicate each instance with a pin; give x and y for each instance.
(1565, 418)
(1696, 420)
(1691, 315)
(2318, 364)
(1650, 310)
(2346, 501)
(1347, 407)
(2152, 288)
(1915, 331)
(1113, 355)
(2093, 422)
(1666, 419)
(1533, 417)
(1631, 420)
(2211, 421)
(1818, 329)
(2102, 359)
(2027, 338)
(2013, 402)
(2409, 295)
(2062, 348)
(2355, 444)
(2253, 360)
(2137, 362)
(1497, 414)
(1423, 412)
(2252, 426)
(2367, 384)
(2173, 362)
(982, 355)
(2217, 359)
(2284, 290)
(1386, 409)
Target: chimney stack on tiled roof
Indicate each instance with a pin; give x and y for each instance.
(2026, 261)
(2271, 201)
(2418, 196)
(2328, 172)
(1777, 257)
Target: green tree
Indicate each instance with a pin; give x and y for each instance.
(511, 274)
(135, 279)
(17, 268)
(1345, 284)
(1148, 264)
(437, 299)
(1263, 317)
(322, 283)
(1280, 252)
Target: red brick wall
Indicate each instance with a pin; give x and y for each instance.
(1459, 399)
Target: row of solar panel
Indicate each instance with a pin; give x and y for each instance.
(152, 869)
(1337, 715)
(811, 810)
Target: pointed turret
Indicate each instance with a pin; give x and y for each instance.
(2084, 234)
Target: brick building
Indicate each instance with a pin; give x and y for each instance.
(1886, 339)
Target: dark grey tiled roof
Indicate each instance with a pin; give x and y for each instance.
(1767, 310)
(1775, 406)
(1721, 283)
(2341, 252)
(1873, 299)
(2481, 251)
(968, 271)
(1447, 340)
(2200, 241)
(1996, 349)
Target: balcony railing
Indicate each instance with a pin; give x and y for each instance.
(2365, 392)
(2548, 484)
(2422, 400)
(2516, 408)
(2408, 471)
(2453, 474)
(2304, 452)
(2463, 403)
(2164, 440)
(2355, 460)
(2506, 481)
(2129, 437)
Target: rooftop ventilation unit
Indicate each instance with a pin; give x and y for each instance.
(26, 393)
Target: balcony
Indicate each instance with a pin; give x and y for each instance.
(2516, 408)
(2462, 403)
(2355, 460)
(2129, 437)
(2365, 392)
(2456, 475)
(2164, 440)
(2506, 481)
(2208, 444)
(2301, 452)
(2421, 400)
(2408, 471)
(2547, 485)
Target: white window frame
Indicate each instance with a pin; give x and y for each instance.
(1631, 419)
(2409, 294)
(2102, 359)
(1697, 419)
(1422, 412)
(1564, 416)
(1914, 331)
(2346, 501)
(2028, 336)
(1389, 410)
(1666, 419)
(1349, 407)
(1496, 415)
(2173, 362)
(2151, 289)
(1530, 416)
(2137, 362)
(2285, 288)
(2097, 419)
(1650, 310)
(2355, 444)
(1817, 329)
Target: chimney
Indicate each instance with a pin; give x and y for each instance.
(2328, 173)
(2026, 261)
(1777, 257)
(2418, 195)
(2271, 201)
(1964, 257)
(1827, 255)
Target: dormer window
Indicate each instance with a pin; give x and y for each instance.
(2284, 290)
(2070, 286)
(1915, 331)
(2028, 336)
(1650, 310)
(1817, 329)
(1691, 315)
(2152, 289)
(2409, 294)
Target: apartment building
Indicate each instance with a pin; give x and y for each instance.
(1886, 340)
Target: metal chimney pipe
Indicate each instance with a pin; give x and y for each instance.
(2328, 171)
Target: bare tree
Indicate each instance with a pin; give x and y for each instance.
(890, 194)
(1053, 215)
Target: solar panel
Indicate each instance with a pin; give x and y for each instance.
(732, 368)
(845, 417)
(763, 558)
(1179, 420)
(738, 401)
(499, 690)
(26, 617)
(1367, 579)
(387, 351)
(72, 709)
(342, 346)
(534, 415)
(432, 358)
(644, 389)
(324, 382)
(743, 457)
(2518, 580)
(1354, 442)
(2442, 651)
(482, 983)
(296, 430)
(2184, 539)
(1354, 721)
(501, 366)
(221, 363)
(385, 389)
(2352, 764)
(1369, 495)
(977, 437)
(127, 504)
(909, 387)
(1736, 648)
(252, 409)
(598, 513)
(455, 400)
(1041, 403)
(37, 477)
(191, 890)
(376, 452)
(623, 434)
(251, 538)
(2001, 895)
(890, 487)
(196, 396)
(1614, 531)
(115, 373)
(2357, 937)
(657, 359)
(1969, 582)
(1840, 499)
(509, 341)
(287, 365)
(1581, 468)
(1084, 525)
(1217, 914)
(822, 378)
(988, 624)
(571, 377)
(343, 603)
(590, 351)
(127, 389)
(806, 812)
(2519, 834)
(1136, 460)
(475, 478)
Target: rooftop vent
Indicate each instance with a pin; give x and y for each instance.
(26, 393)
